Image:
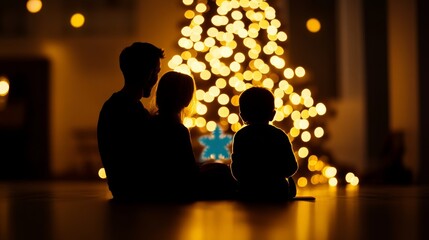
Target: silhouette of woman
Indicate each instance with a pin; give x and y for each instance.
(177, 169)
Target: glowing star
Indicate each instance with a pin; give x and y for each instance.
(216, 145)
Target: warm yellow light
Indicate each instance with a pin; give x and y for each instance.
(200, 122)
(201, 108)
(295, 98)
(268, 83)
(315, 179)
(294, 132)
(188, 122)
(223, 112)
(319, 165)
(237, 15)
(199, 46)
(279, 51)
(234, 100)
(303, 152)
(186, 31)
(223, 99)
(304, 124)
(201, 7)
(278, 101)
(321, 108)
(329, 172)
(312, 111)
(299, 72)
(259, 17)
(354, 181)
(187, 2)
(349, 177)
(221, 83)
(319, 132)
(288, 73)
(281, 36)
(212, 32)
(189, 14)
(333, 182)
(313, 25)
(306, 136)
(186, 55)
(279, 116)
(270, 12)
(211, 126)
(34, 6)
(308, 102)
(287, 110)
(239, 57)
(302, 182)
(257, 76)
(278, 62)
(185, 43)
(102, 173)
(296, 115)
(4, 86)
(235, 66)
(175, 61)
(233, 118)
(77, 20)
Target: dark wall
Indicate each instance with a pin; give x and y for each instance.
(423, 53)
(316, 52)
(24, 121)
(376, 78)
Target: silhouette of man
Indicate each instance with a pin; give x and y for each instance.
(122, 122)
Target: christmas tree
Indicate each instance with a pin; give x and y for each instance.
(231, 45)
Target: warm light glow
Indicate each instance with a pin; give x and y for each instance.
(300, 72)
(303, 152)
(188, 2)
(313, 25)
(77, 20)
(352, 179)
(102, 173)
(333, 182)
(321, 108)
(34, 6)
(329, 172)
(231, 45)
(4, 86)
(211, 126)
(233, 118)
(302, 182)
(319, 132)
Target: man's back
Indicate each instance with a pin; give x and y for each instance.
(121, 142)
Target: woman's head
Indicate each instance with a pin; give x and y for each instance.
(174, 92)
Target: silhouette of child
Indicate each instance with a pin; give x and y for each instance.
(122, 122)
(176, 168)
(262, 159)
(216, 182)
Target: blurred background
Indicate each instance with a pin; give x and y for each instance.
(365, 61)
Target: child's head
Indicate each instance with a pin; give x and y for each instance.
(256, 105)
(174, 92)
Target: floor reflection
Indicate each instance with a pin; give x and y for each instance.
(83, 211)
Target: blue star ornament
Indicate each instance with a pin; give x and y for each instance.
(216, 145)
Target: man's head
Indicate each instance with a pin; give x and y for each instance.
(256, 105)
(140, 65)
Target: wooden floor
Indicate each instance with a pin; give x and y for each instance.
(82, 210)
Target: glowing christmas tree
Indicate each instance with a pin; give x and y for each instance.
(231, 45)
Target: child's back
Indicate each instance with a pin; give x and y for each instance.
(262, 155)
